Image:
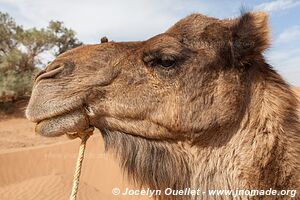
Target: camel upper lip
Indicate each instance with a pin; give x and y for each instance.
(86, 109)
(38, 119)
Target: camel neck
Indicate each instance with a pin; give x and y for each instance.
(264, 152)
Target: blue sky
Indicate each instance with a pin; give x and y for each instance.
(125, 20)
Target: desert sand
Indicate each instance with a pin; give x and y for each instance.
(37, 168)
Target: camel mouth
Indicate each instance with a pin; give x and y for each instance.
(66, 123)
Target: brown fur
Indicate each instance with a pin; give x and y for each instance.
(196, 106)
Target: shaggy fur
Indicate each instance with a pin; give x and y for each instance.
(195, 107)
(150, 164)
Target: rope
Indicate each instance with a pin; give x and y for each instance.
(84, 137)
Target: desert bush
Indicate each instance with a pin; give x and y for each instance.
(20, 50)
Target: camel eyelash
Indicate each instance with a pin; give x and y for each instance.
(164, 62)
(156, 58)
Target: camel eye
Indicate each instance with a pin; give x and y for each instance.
(166, 62)
(156, 60)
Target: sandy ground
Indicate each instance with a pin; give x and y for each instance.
(34, 167)
(19, 133)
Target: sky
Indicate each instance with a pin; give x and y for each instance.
(132, 20)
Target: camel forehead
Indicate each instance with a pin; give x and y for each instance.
(90, 53)
(192, 23)
(188, 28)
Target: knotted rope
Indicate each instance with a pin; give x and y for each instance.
(84, 137)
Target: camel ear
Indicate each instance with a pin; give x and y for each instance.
(250, 35)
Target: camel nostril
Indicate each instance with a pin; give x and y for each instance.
(52, 67)
(49, 72)
(39, 73)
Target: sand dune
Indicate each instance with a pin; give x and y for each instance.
(19, 133)
(46, 187)
(31, 169)
(46, 172)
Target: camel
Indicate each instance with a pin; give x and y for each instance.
(194, 107)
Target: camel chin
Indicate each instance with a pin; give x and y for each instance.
(68, 123)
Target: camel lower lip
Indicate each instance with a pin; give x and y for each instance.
(41, 128)
(75, 121)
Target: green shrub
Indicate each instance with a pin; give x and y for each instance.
(20, 51)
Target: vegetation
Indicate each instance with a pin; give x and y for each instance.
(21, 50)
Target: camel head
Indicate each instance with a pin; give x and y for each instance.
(194, 106)
(182, 84)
